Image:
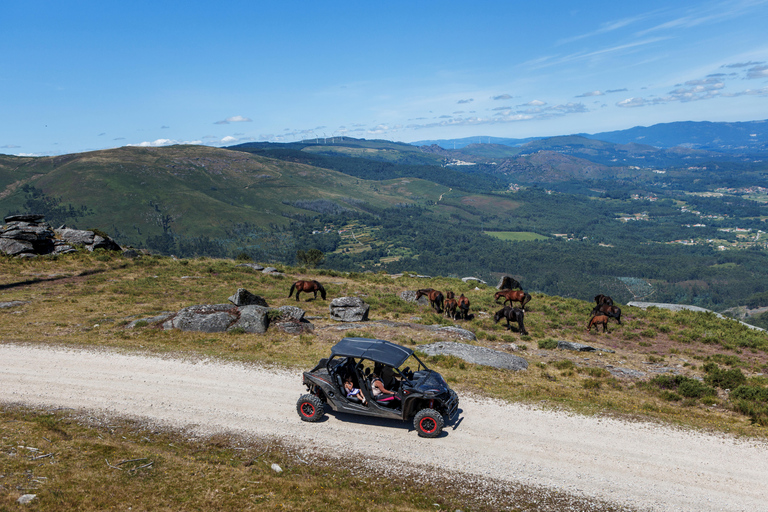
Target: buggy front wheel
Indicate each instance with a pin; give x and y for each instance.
(428, 423)
(310, 408)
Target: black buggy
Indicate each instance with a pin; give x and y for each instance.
(422, 394)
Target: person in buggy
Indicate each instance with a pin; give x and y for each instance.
(380, 393)
(354, 394)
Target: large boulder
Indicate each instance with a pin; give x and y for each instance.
(349, 309)
(219, 318)
(410, 296)
(86, 238)
(243, 297)
(476, 355)
(508, 283)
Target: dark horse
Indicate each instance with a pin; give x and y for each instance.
(307, 286)
(609, 311)
(435, 298)
(512, 315)
(513, 296)
(597, 321)
(603, 299)
(463, 304)
(450, 307)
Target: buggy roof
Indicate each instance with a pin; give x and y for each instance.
(380, 351)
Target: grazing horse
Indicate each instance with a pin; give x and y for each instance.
(603, 299)
(513, 296)
(463, 306)
(609, 311)
(450, 307)
(307, 286)
(435, 298)
(597, 321)
(512, 315)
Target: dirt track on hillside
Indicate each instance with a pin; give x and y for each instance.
(640, 465)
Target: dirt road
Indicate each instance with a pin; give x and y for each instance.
(641, 465)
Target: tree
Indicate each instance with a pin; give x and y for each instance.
(310, 258)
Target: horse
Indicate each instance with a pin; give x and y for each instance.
(512, 315)
(450, 307)
(513, 296)
(463, 304)
(609, 311)
(307, 286)
(603, 299)
(597, 321)
(450, 295)
(435, 298)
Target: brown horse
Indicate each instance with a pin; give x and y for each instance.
(513, 296)
(609, 311)
(597, 321)
(450, 307)
(603, 299)
(307, 286)
(450, 295)
(435, 298)
(463, 304)
(512, 315)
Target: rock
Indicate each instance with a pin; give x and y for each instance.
(106, 243)
(476, 355)
(131, 253)
(467, 279)
(252, 319)
(13, 303)
(76, 236)
(33, 217)
(162, 317)
(456, 331)
(16, 247)
(204, 318)
(295, 327)
(243, 297)
(276, 468)
(570, 345)
(625, 372)
(292, 313)
(410, 296)
(349, 309)
(254, 266)
(508, 283)
(268, 270)
(26, 498)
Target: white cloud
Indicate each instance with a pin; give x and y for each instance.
(229, 139)
(235, 119)
(9, 146)
(534, 103)
(164, 142)
(590, 94)
(502, 97)
(758, 72)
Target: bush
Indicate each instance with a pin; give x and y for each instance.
(723, 379)
(548, 343)
(563, 364)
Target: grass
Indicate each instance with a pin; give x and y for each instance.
(516, 236)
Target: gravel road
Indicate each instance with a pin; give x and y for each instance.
(639, 465)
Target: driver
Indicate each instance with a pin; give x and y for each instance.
(381, 393)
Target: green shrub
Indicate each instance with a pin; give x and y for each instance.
(750, 393)
(563, 364)
(591, 384)
(548, 344)
(723, 379)
(692, 388)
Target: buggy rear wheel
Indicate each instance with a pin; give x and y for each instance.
(428, 423)
(310, 408)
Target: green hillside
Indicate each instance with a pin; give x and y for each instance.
(193, 190)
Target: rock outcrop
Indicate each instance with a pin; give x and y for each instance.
(349, 309)
(410, 296)
(508, 283)
(26, 236)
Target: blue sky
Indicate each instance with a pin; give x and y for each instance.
(77, 76)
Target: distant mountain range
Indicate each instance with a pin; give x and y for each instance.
(750, 137)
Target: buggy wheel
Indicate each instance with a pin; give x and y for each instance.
(428, 423)
(310, 408)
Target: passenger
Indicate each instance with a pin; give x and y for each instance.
(354, 393)
(380, 392)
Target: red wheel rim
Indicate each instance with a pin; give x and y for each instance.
(307, 409)
(427, 425)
